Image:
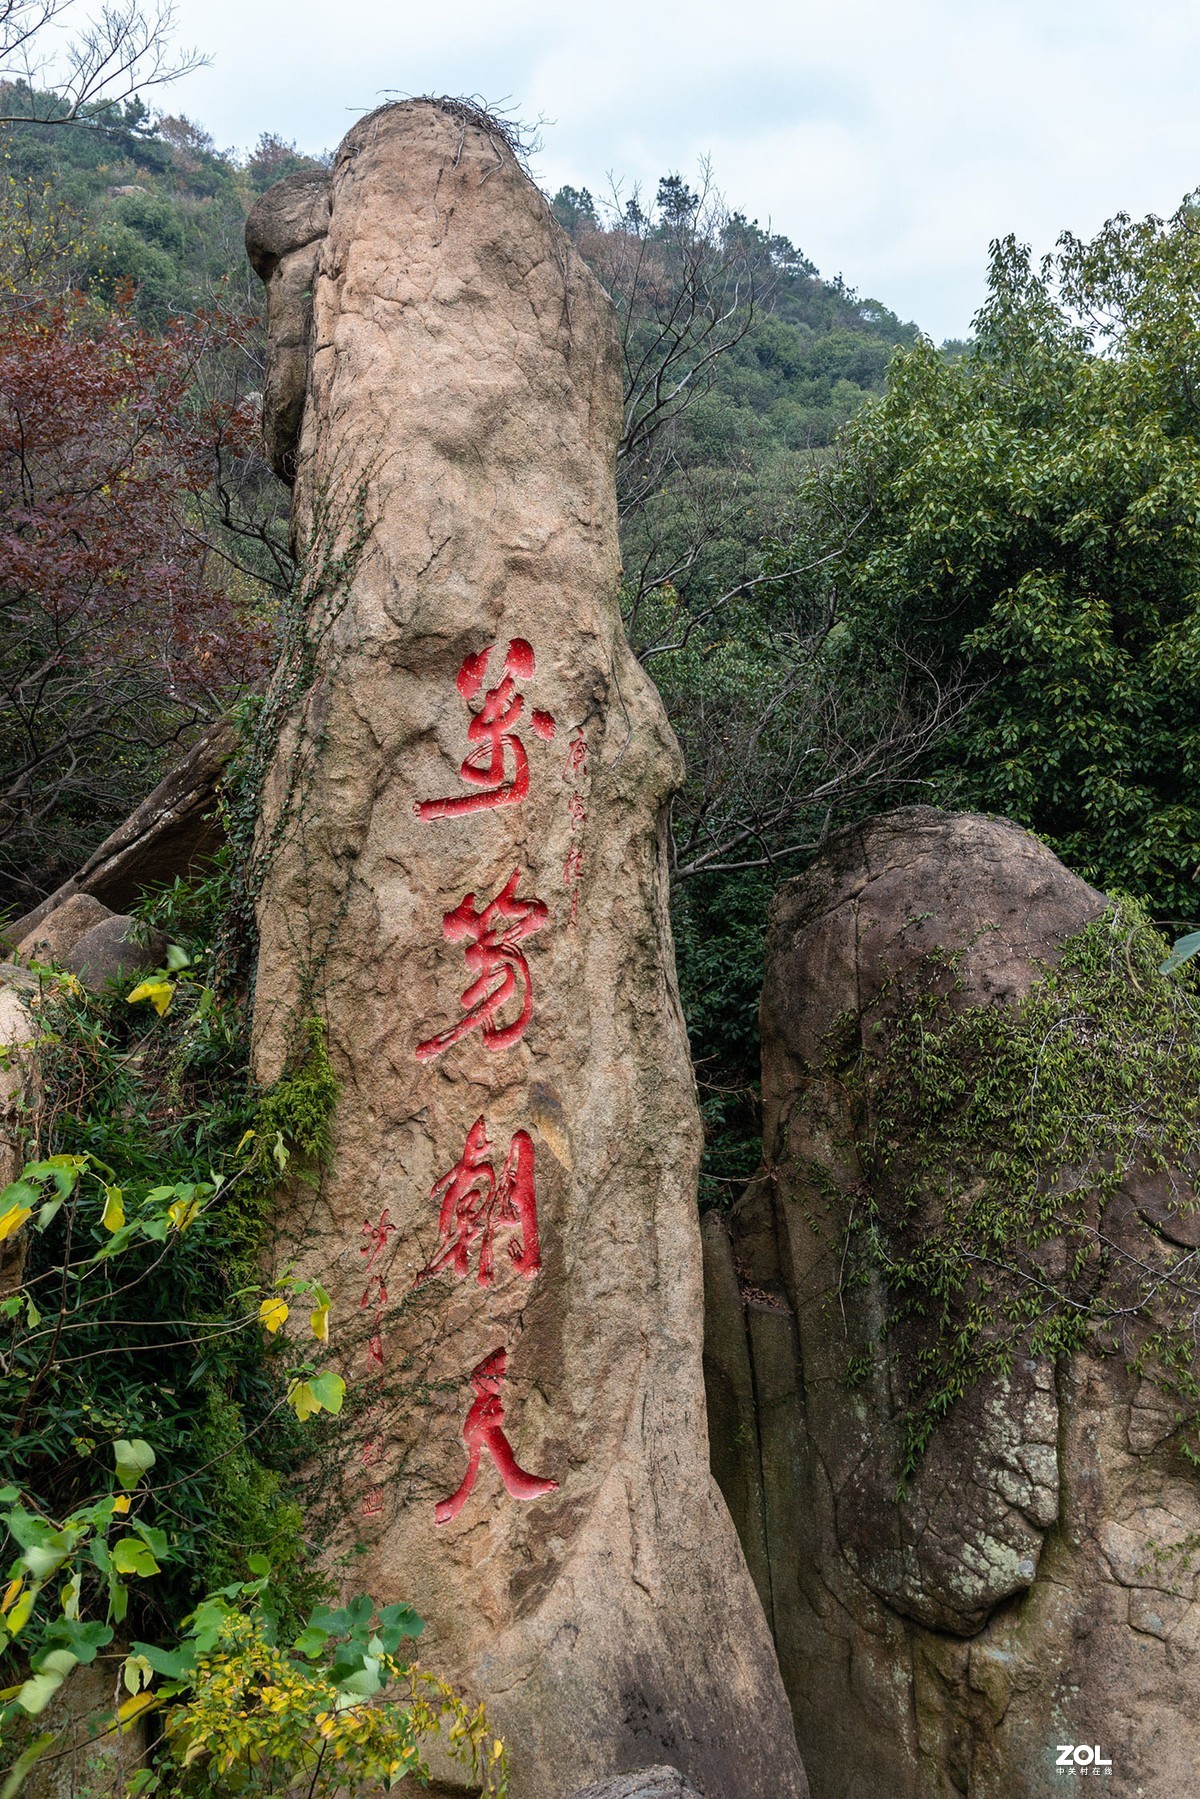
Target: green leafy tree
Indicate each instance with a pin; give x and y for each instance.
(1030, 510)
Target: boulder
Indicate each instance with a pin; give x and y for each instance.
(60, 930)
(116, 949)
(461, 868)
(1027, 1586)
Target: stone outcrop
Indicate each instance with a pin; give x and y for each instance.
(1035, 1586)
(92, 943)
(461, 863)
(649, 1783)
(283, 242)
(59, 930)
(173, 832)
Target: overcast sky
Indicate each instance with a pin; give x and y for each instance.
(890, 139)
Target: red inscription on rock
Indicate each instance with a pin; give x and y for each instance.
(483, 1430)
(475, 1206)
(375, 1237)
(497, 766)
(491, 934)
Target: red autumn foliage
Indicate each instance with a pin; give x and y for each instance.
(104, 456)
(121, 629)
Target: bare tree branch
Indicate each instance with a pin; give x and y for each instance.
(116, 54)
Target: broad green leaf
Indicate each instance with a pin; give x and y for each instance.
(83, 1640)
(133, 1459)
(136, 1673)
(401, 1618)
(311, 1641)
(37, 1692)
(43, 1559)
(157, 1543)
(174, 1663)
(1184, 949)
(49, 1212)
(131, 1556)
(177, 958)
(329, 1390)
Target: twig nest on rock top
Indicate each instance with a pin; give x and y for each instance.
(116, 949)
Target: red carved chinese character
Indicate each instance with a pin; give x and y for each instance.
(573, 866)
(481, 1431)
(577, 811)
(576, 762)
(372, 1452)
(372, 1505)
(376, 1236)
(475, 1206)
(374, 1293)
(501, 972)
(492, 732)
(374, 1353)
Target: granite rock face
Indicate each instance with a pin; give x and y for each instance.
(61, 929)
(1033, 1589)
(648, 1783)
(461, 854)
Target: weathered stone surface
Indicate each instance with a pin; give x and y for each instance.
(648, 1783)
(18, 1097)
(61, 929)
(1034, 1588)
(116, 949)
(283, 240)
(172, 832)
(463, 402)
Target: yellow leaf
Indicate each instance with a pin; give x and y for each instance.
(301, 1399)
(130, 1709)
(18, 1618)
(182, 1211)
(122, 1502)
(273, 1313)
(113, 1215)
(10, 1593)
(12, 1220)
(248, 1137)
(159, 993)
(319, 1319)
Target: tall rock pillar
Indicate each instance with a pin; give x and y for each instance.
(462, 873)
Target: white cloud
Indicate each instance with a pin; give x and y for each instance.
(890, 141)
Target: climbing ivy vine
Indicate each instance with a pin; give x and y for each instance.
(998, 1144)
